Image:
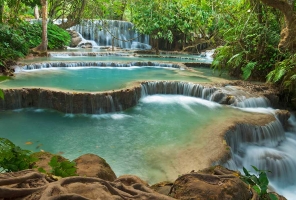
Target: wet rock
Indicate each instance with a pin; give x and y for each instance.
(91, 165)
(86, 45)
(213, 183)
(283, 116)
(75, 38)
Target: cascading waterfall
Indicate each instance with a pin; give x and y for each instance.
(99, 31)
(267, 147)
(171, 87)
(93, 64)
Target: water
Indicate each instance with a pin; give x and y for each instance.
(102, 32)
(132, 142)
(269, 148)
(117, 58)
(96, 78)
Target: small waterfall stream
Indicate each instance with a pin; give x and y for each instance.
(268, 148)
(102, 31)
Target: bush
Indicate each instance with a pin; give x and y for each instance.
(16, 42)
(57, 37)
(12, 45)
(13, 158)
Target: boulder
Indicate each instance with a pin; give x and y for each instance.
(129, 180)
(43, 160)
(91, 165)
(163, 187)
(283, 116)
(75, 38)
(212, 183)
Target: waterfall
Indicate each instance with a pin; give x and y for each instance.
(99, 31)
(94, 64)
(174, 87)
(253, 102)
(268, 148)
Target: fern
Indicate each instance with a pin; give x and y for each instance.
(247, 70)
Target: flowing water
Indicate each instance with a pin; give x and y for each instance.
(116, 58)
(142, 139)
(269, 148)
(130, 141)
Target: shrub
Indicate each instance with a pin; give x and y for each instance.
(57, 37)
(13, 158)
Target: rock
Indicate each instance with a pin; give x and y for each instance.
(129, 180)
(75, 38)
(283, 116)
(86, 45)
(43, 160)
(91, 165)
(163, 187)
(212, 183)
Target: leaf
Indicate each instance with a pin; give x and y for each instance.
(54, 162)
(40, 169)
(272, 196)
(263, 178)
(247, 70)
(246, 172)
(257, 189)
(255, 168)
(3, 78)
(1, 94)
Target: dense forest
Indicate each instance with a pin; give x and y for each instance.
(255, 39)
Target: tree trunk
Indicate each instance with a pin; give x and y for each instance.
(288, 39)
(42, 48)
(1, 12)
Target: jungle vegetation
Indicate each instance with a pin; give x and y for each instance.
(255, 39)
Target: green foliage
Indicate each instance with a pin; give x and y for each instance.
(285, 73)
(15, 42)
(13, 158)
(258, 182)
(247, 70)
(12, 44)
(173, 20)
(64, 168)
(1, 94)
(57, 37)
(251, 33)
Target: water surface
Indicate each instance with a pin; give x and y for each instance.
(132, 141)
(97, 78)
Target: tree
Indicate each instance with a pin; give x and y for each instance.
(70, 10)
(15, 8)
(250, 35)
(42, 48)
(287, 8)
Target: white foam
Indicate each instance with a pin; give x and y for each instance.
(184, 101)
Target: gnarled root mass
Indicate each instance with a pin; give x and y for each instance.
(211, 183)
(31, 185)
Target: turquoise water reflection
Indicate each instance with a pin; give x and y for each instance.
(97, 78)
(132, 142)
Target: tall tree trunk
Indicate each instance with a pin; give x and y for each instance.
(1, 12)
(42, 48)
(288, 39)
